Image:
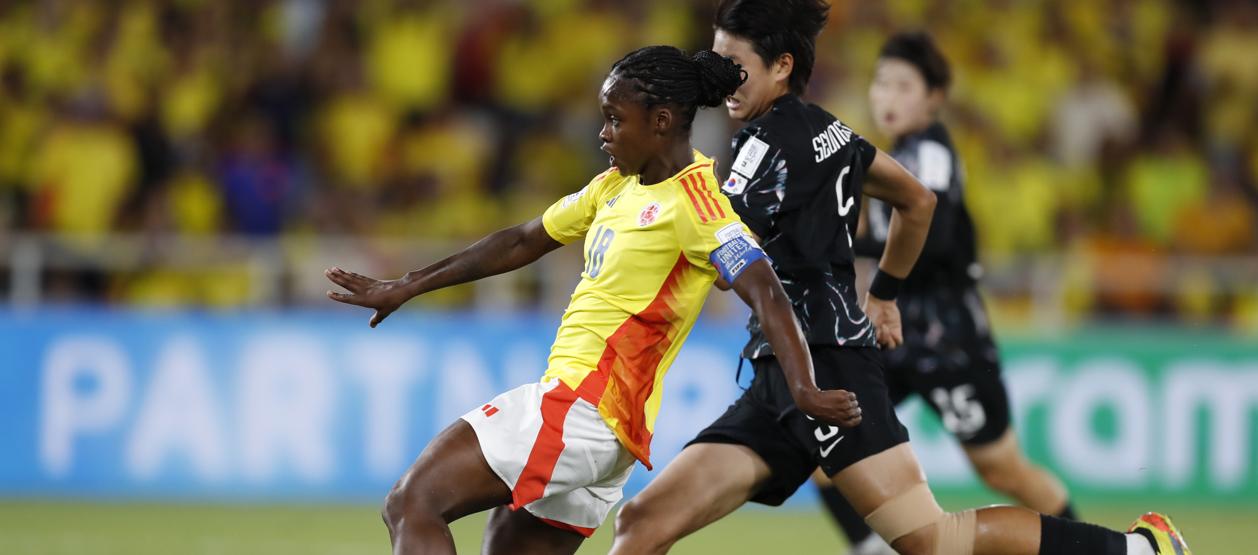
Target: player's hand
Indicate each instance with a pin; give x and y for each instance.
(385, 296)
(722, 284)
(885, 317)
(837, 407)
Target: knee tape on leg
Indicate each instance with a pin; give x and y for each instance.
(903, 514)
(954, 533)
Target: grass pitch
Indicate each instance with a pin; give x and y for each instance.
(38, 527)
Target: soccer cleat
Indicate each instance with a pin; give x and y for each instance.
(1159, 530)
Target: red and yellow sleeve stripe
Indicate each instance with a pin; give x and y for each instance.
(702, 197)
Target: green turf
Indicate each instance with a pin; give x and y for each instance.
(55, 528)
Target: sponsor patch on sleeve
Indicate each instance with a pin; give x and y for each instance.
(730, 232)
(568, 200)
(750, 156)
(934, 165)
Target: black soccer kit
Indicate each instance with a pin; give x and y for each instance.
(796, 182)
(948, 356)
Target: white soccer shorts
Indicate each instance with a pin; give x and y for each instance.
(551, 447)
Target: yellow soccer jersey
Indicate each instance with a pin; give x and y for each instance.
(648, 269)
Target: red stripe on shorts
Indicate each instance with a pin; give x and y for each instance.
(531, 484)
(587, 532)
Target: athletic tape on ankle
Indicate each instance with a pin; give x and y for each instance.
(903, 514)
(954, 533)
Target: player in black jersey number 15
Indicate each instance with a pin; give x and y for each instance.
(949, 357)
(796, 181)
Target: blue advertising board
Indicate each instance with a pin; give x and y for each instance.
(299, 406)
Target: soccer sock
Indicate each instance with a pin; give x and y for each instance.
(853, 525)
(1139, 544)
(1067, 512)
(1068, 537)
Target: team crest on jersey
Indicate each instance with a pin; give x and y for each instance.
(735, 184)
(648, 214)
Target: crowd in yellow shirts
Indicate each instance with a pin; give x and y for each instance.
(1095, 130)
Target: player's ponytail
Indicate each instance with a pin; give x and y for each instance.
(719, 77)
(666, 75)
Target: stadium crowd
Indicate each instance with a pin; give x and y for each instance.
(1116, 135)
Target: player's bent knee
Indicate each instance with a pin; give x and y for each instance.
(915, 525)
(407, 501)
(918, 542)
(635, 525)
(954, 533)
(394, 507)
(631, 518)
(908, 512)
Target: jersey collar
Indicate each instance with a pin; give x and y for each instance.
(700, 161)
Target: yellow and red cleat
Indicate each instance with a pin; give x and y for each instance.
(1165, 536)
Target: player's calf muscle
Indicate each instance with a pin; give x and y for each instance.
(1008, 476)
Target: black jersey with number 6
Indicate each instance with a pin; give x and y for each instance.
(796, 182)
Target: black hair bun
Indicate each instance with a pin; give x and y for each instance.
(719, 77)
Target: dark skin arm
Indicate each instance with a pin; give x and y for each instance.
(758, 286)
(913, 206)
(498, 253)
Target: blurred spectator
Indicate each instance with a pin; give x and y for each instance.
(82, 171)
(1084, 128)
(1127, 279)
(1161, 180)
(1094, 116)
(1219, 223)
(1230, 74)
(256, 178)
(408, 53)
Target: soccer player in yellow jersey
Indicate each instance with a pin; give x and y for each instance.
(657, 234)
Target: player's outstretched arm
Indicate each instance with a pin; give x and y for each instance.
(759, 287)
(913, 205)
(499, 252)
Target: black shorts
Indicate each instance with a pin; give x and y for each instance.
(949, 358)
(766, 420)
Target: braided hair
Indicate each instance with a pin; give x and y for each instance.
(666, 75)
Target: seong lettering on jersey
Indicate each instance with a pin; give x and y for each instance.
(835, 137)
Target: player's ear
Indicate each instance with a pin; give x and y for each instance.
(782, 68)
(663, 119)
(935, 99)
